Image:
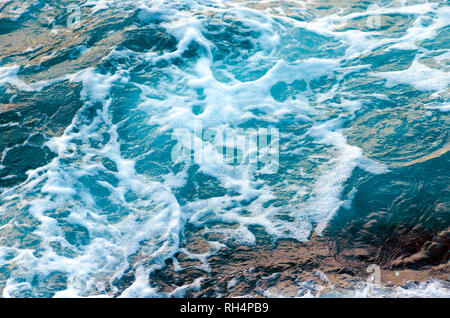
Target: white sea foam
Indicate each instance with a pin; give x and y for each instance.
(8, 75)
(428, 289)
(112, 239)
(420, 76)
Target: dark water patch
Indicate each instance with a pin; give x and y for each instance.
(231, 38)
(233, 44)
(199, 186)
(395, 215)
(23, 158)
(440, 42)
(283, 91)
(75, 234)
(399, 130)
(188, 58)
(261, 235)
(157, 161)
(392, 60)
(134, 133)
(32, 119)
(8, 25)
(153, 39)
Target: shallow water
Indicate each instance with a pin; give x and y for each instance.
(98, 100)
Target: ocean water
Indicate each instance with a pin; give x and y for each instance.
(109, 112)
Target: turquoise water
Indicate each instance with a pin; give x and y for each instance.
(352, 96)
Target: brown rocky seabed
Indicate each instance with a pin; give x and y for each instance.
(291, 269)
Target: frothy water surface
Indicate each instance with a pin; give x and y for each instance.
(350, 87)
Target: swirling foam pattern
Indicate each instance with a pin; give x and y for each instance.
(89, 190)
